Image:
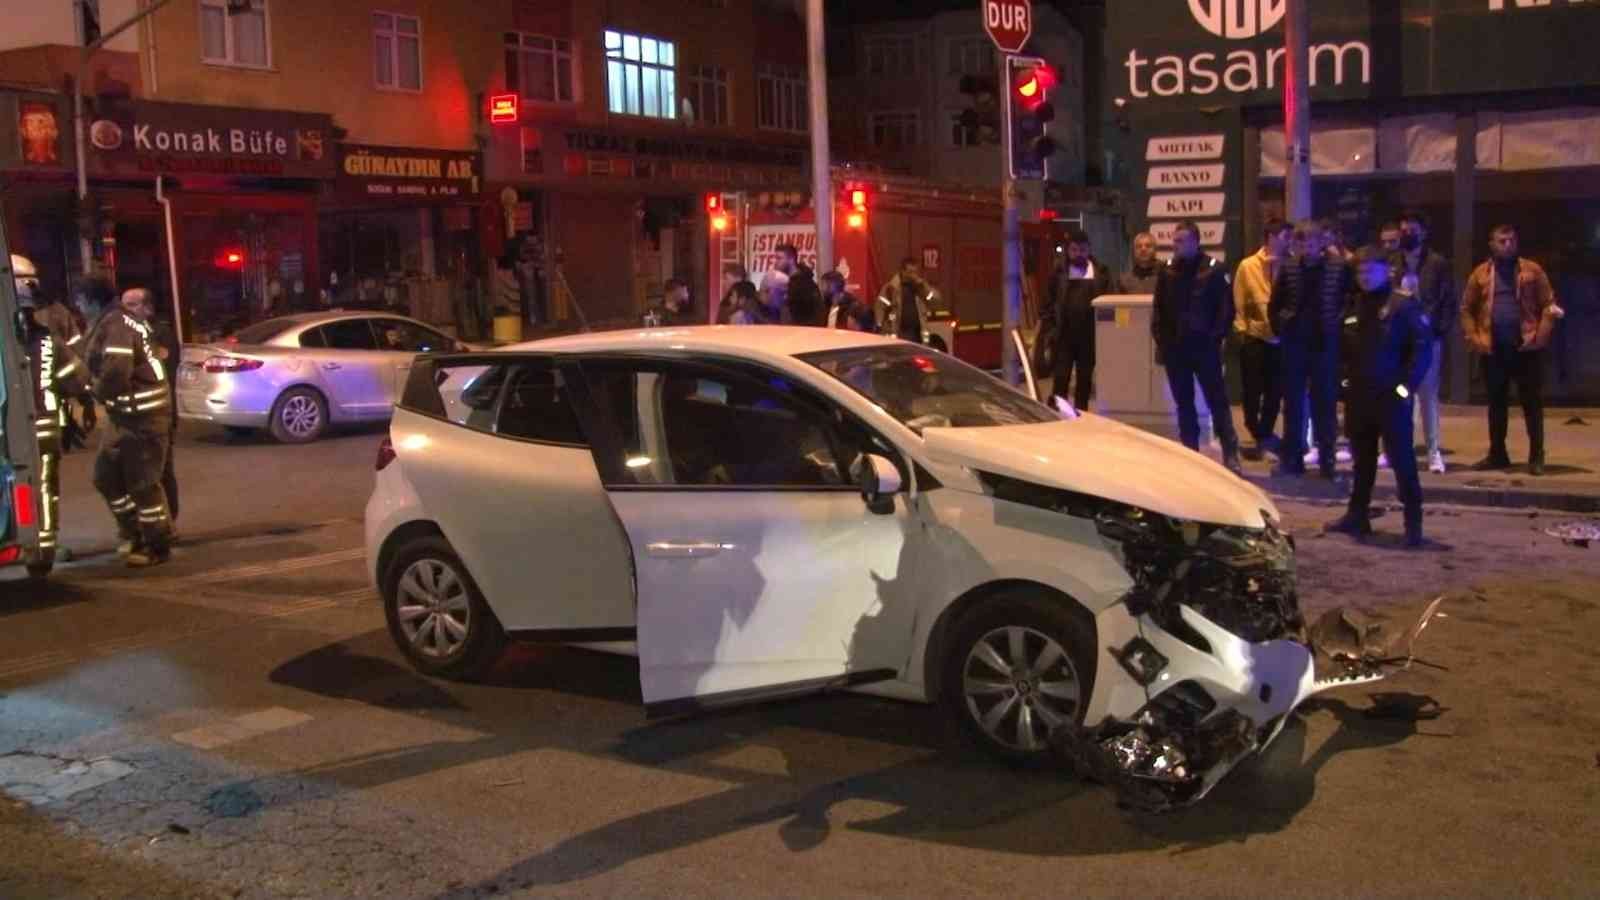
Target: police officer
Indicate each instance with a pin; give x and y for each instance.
(57, 378)
(133, 383)
(1394, 350)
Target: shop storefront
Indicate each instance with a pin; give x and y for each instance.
(398, 230)
(1473, 111)
(590, 223)
(35, 180)
(241, 191)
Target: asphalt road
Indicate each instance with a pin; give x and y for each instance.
(238, 724)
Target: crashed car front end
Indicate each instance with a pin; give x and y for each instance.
(1210, 649)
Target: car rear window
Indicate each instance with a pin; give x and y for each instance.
(525, 399)
(261, 332)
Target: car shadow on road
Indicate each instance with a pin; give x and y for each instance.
(25, 595)
(262, 437)
(935, 789)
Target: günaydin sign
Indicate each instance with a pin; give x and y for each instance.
(1205, 175)
(1183, 147)
(406, 173)
(1184, 206)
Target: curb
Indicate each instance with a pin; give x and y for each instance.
(1313, 488)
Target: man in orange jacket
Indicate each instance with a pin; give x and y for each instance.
(1508, 315)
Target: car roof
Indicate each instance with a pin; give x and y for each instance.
(742, 340)
(334, 315)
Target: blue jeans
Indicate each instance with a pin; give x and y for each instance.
(1427, 417)
(1319, 368)
(1201, 361)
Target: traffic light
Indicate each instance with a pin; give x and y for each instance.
(856, 205)
(1029, 145)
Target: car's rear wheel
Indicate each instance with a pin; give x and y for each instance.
(1018, 667)
(436, 614)
(300, 416)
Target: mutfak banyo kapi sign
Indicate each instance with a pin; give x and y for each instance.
(1168, 55)
(144, 137)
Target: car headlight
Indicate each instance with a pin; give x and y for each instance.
(1243, 579)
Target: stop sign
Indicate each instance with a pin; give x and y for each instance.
(1008, 22)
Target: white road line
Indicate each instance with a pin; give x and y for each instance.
(286, 565)
(240, 728)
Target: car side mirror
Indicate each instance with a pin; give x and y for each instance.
(880, 481)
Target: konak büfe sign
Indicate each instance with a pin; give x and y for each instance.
(146, 137)
(369, 172)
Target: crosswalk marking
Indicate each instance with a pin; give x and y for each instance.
(240, 728)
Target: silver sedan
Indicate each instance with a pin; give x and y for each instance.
(296, 375)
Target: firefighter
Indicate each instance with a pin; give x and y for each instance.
(57, 378)
(133, 383)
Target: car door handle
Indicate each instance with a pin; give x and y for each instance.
(331, 366)
(685, 550)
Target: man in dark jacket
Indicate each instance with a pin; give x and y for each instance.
(804, 297)
(170, 354)
(1427, 275)
(1395, 344)
(1192, 315)
(1066, 321)
(674, 311)
(1307, 313)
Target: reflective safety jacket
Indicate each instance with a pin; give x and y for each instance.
(58, 376)
(129, 376)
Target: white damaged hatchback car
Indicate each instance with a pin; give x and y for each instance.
(765, 512)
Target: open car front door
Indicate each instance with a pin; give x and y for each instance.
(761, 572)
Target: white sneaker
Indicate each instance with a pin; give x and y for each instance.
(1313, 457)
(1383, 460)
(1342, 455)
(1436, 463)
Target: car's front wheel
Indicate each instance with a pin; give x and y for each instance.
(437, 616)
(1018, 667)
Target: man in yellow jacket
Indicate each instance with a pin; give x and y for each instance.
(1508, 313)
(1260, 360)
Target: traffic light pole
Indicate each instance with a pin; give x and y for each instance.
(1011, 237)
(821, 163)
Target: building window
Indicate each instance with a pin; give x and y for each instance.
(539, 68)
(781, 99)
(972, 56)
(397, 51)
(705, 95)
(892, 55)
(895, 130)
(641, 76)
(235, 34)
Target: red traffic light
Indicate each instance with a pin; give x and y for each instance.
(858, 198)
(230, 258)
(713, 203)
(719, 222)
(503, 108)
(1029, 88)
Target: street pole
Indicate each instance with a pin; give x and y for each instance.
(85, 251)
(1297, 110)
(1010, 237)
(821, 162)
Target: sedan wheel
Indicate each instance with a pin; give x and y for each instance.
(1017, 667)
(300, 416)
(436, 614)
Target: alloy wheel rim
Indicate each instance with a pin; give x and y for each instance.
(1020, 685)
(431, 604)
(301, 416)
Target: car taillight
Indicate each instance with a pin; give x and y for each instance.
(23, 495)
(10, 555)
(385, 453)
(217, 365)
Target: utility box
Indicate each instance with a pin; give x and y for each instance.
(1129, 385)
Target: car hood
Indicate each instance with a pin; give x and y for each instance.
(1099, 457)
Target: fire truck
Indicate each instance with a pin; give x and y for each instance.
(19, 448)
(952, 233)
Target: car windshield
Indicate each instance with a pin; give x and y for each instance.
(261, 332)
(927, 389)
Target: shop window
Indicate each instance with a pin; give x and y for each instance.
(397, 51)
(781, 103)
(235, 34)
(898, 130)
(641, 76)
(894, 54)
(705, 95)
(972, 56)
(539, 67)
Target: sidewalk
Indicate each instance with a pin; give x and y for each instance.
(1571, 482)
